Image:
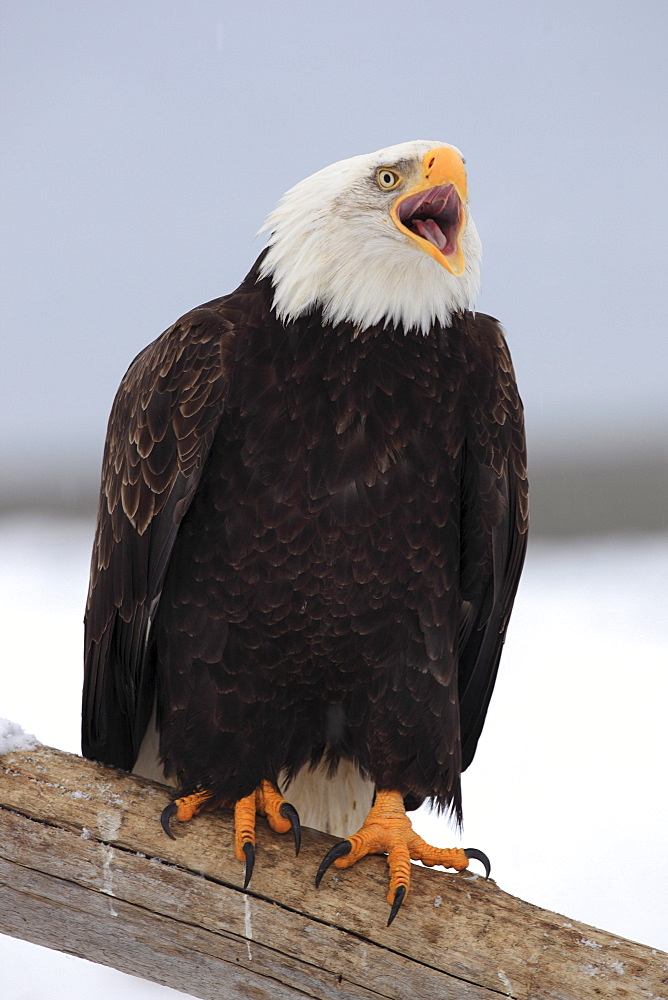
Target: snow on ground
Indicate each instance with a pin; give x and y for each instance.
(567, 791)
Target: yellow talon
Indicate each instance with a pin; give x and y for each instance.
(268, 802)
(387, 830)
(265, 800)
(190, 805)
(244, 824)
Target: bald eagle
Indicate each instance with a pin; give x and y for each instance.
(312, 523)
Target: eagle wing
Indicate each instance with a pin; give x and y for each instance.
(160, 431)
(494, 522)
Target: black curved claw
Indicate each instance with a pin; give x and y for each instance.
(473, 852)
(289, 812)
(399, 897)
(249, 851)
(339, 850)
(166, 815)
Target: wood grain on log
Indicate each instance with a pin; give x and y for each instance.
(85, 868)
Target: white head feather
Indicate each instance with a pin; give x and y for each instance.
(333, 244)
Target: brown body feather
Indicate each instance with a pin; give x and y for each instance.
(309, 542)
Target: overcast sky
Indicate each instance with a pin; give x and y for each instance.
(145, 142)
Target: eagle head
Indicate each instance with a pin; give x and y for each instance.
(382, 238)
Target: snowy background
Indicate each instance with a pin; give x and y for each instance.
(143, 144)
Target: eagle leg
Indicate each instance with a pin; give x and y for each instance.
(184, 809)
(387, 830)
(281, 816)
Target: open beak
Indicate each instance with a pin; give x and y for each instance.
(432, 213)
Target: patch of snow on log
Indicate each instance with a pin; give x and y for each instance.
(12, 737)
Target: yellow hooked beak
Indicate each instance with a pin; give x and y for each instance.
(432, 213)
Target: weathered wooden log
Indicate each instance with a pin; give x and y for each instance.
(85, 868)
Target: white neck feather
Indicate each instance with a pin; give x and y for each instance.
(333, 245)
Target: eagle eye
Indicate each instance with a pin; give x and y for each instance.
(387, 179)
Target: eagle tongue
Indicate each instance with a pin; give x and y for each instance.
(429, 229)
